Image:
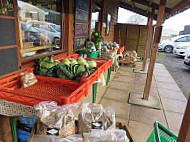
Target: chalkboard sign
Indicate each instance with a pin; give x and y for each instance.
(81, 22)
(8, 61)
(81, 16)
(81, 29)
(82, 4)
(7, 32)
(6, 8)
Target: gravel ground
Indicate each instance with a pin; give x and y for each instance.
(178, 71)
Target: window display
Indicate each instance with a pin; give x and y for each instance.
(40, 26)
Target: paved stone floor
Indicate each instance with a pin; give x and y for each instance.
(141, 119)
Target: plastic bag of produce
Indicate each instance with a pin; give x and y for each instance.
(46, 138)
(110, 135)
(93, 116)
(27, 79)
(103, 81)
(56, 118)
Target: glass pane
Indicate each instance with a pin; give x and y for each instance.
(40, 26)
(188, 39)
(183, 39)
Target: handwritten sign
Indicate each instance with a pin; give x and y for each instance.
(82, 4)
(6, 7)
(81, 22)
(81, 16)
(81, 29)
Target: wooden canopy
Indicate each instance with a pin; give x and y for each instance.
(144, 7)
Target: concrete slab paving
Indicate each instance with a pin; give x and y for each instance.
(174, 120)
(171, 94)
(127, 79)
(117, 95)
(174, 105)
(140, 131)
(120, 85)
(122, 109)
(147, 115)
(122, 120)
(141, 119)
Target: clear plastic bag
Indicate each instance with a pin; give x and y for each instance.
(59, 117)
(110, 135)
(47, 138)
(93, 116)
(27, 79)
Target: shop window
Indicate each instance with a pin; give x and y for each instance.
(94, 21)
(108, 24)
(40, 27)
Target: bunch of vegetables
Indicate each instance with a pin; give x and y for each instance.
(72, 69)
(46, 66)
(96, 38)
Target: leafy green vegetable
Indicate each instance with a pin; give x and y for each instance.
(96, 38)
(68, 69)
(66, 62)
(46, 66)
(92, 64)
(64, 72)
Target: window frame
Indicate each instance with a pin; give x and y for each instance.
(63, 49)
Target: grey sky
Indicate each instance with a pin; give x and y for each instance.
(173, 24)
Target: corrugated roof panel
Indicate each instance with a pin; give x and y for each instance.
(143, 7)
(172, 3)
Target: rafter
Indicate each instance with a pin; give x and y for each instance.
(136, 10)
(182, 6)
(151, 4)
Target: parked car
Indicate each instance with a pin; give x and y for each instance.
(34, 35)
(187, 60)
(182, 49)
(169, 45)
(49, 29)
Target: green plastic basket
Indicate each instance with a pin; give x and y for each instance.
(94, 54)
(161, 134)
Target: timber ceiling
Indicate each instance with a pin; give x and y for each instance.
(144, 7)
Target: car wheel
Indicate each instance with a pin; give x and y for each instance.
(168, 49)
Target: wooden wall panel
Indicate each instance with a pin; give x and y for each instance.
(142, 40)
(109, 7)
(132, 36)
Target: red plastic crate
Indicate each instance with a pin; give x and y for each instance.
(47, 89)
(121, 50)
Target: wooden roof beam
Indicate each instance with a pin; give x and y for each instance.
(181, 5)
(136, 10)
(151, 4)
(133, 4)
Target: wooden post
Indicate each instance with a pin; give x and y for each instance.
(17, 32)
(69, 26)
(149, 38)
(157, 37)
(90, 18)
(102, 18)
(184, 134)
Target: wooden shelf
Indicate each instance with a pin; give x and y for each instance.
(36, 48)
(7, 17)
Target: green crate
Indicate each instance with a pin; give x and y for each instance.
(82, 51)
(94, 54)
(161, 134)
